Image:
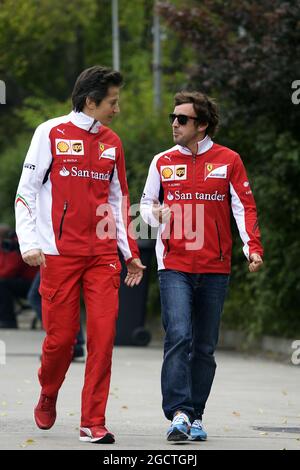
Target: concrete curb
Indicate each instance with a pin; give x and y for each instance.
(237, 340)
(281, 348)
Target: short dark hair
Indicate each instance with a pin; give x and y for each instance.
(94, 83)
(205, 108)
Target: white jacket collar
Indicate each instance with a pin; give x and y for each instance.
(85, 122)
(203, 145)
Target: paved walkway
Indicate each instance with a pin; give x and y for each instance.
(248, 393)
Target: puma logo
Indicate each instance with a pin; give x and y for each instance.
(113, 265)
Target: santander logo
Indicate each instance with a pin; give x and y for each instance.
(64, 172)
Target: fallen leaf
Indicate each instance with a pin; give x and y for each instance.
(19, 403)
(263, 433)
(236, 413)
(125, 407)
(261, 410)
(284, 421)
(71, 414)
(226, 428)
(28, 442)
(284, 392)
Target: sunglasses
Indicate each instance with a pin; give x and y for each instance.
(181, 118)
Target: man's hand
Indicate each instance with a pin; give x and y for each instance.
(34, 258)
(256, 263)
(161, 213)
(134, 272)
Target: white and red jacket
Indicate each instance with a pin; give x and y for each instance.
(200, 190)
(74, 165)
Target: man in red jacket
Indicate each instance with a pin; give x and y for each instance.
(15, 276)
(72, 214)
(189, 194)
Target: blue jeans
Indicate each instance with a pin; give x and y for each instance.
(191, 310)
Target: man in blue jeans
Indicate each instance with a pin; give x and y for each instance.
(189, 195)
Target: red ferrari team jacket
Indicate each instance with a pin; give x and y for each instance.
(201, 191)
(72, 197)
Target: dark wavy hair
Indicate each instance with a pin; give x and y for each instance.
(94, 83)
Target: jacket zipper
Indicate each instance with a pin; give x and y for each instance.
(194, 208)
(168, 239)
(90, 137)
(219, 241)
(62, 219)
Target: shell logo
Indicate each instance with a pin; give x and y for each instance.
(63, 146)
(167, 173)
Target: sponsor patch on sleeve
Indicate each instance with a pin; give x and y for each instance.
(29, 166)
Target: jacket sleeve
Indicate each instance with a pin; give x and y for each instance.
(119, 201)
(244, 209)
(151, 194)
(37, 162)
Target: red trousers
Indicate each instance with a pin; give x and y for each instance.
(61, 280)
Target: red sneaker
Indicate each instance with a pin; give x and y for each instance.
(45, 411)
(96, 434)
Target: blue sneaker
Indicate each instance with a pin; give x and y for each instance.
(180, 428)
(197, 432)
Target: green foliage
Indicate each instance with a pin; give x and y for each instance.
(11, 164)
(37, 110)
(246, 50)
(246, 57)
(267, 302)
(241, 52)
(143, 133)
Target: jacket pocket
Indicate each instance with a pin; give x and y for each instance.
(62, 220)
(48, 293)
(219, 242)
